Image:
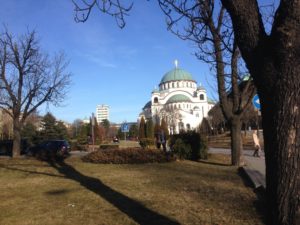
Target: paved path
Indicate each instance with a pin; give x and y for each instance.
(254, 168)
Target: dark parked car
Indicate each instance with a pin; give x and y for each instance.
(6, 147)
(51, 148)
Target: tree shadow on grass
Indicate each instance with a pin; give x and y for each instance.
(132, 208)
(213, 163)
(29, 171)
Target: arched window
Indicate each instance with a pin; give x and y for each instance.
(155, 100)
(181, 126)
(202, 97)
(173, 85)
(188, 126)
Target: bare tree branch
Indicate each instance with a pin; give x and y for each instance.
(113, 8)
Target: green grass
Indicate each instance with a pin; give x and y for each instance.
(74, 192)
(129, 144)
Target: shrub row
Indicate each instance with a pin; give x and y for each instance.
(128, 156)
(146, 142)
(189, 145)
(76, 146)
(108, 146)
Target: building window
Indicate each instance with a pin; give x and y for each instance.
(155, 100)
(197, 115)
(173, 85)
(202, 97)
(181, 126)
(188, 126)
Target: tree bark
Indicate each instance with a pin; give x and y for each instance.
(236, 141)
(273, 61)
(281, 125)
(16, 138)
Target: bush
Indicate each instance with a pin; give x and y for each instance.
(198, 145)
(182, 150)
(109, 146)
(128, 156)
(146, 142)
(75, 146)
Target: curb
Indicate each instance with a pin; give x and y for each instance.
(256, 178)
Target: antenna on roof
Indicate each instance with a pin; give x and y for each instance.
(176, 63)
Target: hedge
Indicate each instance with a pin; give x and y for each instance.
(128, 156)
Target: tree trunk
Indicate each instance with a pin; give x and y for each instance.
(16, 138)
(236, 141)
(281, 125)
(273, 61)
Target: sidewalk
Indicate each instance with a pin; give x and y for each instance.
(254, 168)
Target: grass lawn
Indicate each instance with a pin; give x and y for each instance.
(74, 192)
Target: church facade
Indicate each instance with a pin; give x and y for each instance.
(179, 101)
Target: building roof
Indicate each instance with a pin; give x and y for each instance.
(176, 74)
(148, 105)
(200, 87)
(209, 100)
(178, 98)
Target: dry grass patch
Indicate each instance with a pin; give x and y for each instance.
(74, 192)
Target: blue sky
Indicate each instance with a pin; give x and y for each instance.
(118, 67)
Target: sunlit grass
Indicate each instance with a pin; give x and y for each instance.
(34, 192)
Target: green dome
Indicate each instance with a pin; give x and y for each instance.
(209, 100)
(176, 74)
(178, 98)
(200, 88)
(148, 105)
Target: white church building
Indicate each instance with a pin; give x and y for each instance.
(179, 100)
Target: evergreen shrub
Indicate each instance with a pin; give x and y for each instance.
(192, 142)
(146, 142)
(181, 149)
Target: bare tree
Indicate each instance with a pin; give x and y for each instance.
(113, 8)
(206, 25)
(28, 79)
(171, 117)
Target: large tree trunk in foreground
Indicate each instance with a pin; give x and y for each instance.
(236, 141)
(281, 124)
(274, 62)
